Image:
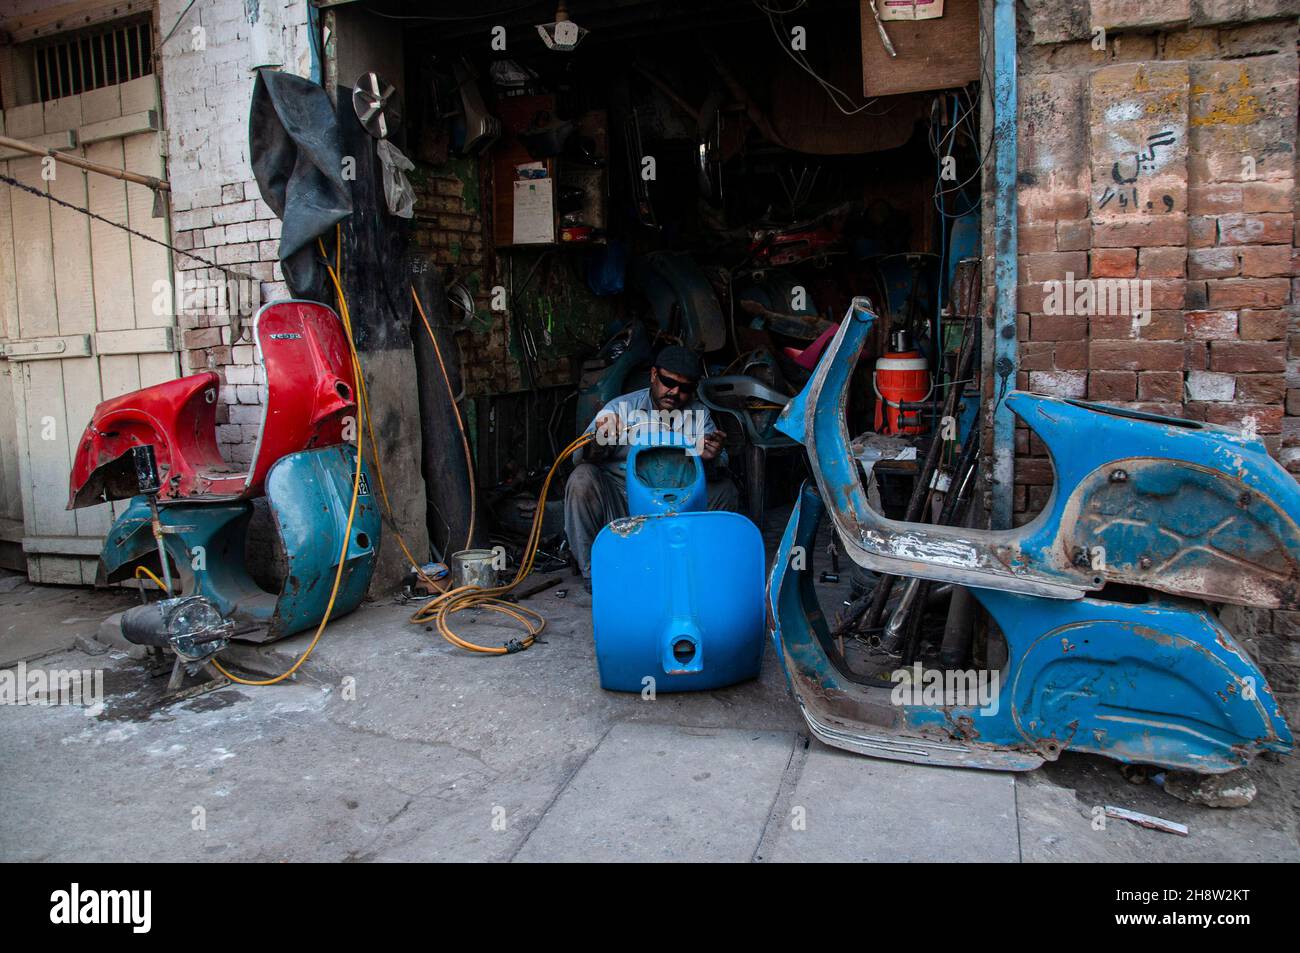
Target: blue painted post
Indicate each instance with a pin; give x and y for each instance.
(1005, 356)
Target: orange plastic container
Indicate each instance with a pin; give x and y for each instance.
(900, 376)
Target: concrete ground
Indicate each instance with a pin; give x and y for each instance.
(392, 744)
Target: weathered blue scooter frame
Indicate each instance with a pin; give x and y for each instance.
(1175, 505)
(1154, 502)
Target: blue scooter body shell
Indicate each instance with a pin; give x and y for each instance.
(1160, 682)
(309, 494)
(690, 582)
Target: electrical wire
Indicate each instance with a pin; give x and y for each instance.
(944, 147)
(831, 90)
(14, 183)
(170, 32)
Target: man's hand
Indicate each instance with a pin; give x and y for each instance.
(608, 427)
(713, 443)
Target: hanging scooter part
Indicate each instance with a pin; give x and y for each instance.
(1182, 513)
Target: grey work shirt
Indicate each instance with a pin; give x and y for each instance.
(693, 422)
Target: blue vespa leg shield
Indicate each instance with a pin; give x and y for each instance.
(678, 599)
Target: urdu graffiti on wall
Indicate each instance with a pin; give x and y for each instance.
(1123, 190)
(1138, 142)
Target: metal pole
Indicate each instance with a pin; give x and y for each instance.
(1005, 354)
(80, 163)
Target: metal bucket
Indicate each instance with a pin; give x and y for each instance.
(473, 567)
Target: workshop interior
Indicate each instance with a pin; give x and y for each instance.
(494, 226)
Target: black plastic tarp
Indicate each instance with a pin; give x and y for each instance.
(297, 157)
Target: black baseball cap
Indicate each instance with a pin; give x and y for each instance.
(681, 361)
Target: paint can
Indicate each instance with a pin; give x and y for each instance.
(473, 567)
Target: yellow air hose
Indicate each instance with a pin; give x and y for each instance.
(441, 607)
(352, 511)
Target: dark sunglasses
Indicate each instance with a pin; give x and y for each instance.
(672, 383)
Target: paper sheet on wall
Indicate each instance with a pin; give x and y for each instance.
(910, 9)
(534, 212)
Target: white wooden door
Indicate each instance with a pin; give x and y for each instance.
(77, 301)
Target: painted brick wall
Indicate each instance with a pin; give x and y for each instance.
(217, 212)
(1208, 222)
(1167, 156)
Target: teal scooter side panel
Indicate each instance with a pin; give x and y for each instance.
(309, 494)
(205, 543)
(679, 599)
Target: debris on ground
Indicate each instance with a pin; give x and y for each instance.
(1147, 820)
(1233, 789)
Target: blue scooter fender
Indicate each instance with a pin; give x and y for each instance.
(664, 474)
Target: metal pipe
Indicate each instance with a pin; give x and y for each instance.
(947, 516)
(1005, 354)
(892, 638)
(958, 631)
(19, 146)
(155, 520)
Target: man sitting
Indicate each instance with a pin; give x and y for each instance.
(597, 493)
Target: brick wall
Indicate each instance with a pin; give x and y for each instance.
(217, 210)
(1167, 156)
(452, 229)
(453, 225)
(1208, 222)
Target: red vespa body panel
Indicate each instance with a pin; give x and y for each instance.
(309, 392)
